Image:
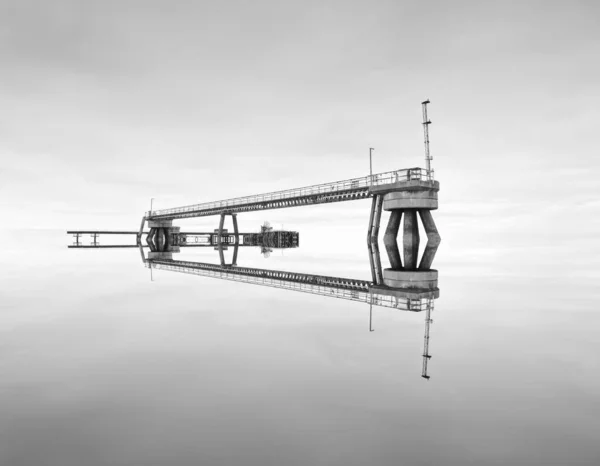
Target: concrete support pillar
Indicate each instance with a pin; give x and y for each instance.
(433, 239)
(390, 242)
(411, 239)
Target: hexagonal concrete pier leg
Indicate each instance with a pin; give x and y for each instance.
(433, 239)
(411, 239)
(390, 241)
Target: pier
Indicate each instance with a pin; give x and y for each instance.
(409, 194)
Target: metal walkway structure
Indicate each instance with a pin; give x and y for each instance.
(338, 191)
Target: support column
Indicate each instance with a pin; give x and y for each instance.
(411, 239)
(433, 239)
(389, 239)
(375, 239)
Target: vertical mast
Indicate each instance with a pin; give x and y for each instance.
(426, 123)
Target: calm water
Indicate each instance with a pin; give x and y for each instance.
(101, 366)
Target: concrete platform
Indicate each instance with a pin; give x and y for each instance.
(407, 293)
(413, 185)
(411, 279)
(427, 199)
(160, 223)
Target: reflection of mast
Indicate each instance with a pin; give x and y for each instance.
(426, 355)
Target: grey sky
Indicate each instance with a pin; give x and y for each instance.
(106, 104)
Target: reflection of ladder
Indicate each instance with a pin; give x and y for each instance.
(426, 355)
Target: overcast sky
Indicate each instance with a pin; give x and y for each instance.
(106, 104)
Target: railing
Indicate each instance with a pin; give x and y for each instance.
(368, 297)
(365, 182)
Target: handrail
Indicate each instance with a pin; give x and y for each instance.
(365, 182)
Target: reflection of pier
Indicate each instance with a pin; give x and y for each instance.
(335, 287)
(407, 296)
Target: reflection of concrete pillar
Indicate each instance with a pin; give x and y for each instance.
(411, 239)
(433, 239)
(390, 242)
